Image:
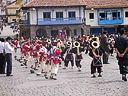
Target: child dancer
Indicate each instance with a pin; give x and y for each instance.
(96, 52)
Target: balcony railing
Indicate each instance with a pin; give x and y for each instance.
(111, 20)
(53, 21)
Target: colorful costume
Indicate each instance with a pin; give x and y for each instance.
(43, 56)
(53, 60)
(95, 52)
(77, 50)
(69, 55)
(53, 56)
(36, 55)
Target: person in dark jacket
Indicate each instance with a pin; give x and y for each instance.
(106, 46)
(121, 47)
(2, 57)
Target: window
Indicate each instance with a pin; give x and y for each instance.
(102, 16)
(68, 32)
(47, 16)
(71, 15)
(91, 15)
(59, 15)
(17, 12)
(14, 20)
(114, 15)
(126, 14)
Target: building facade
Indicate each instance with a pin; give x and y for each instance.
(13, 12)
(49, 20)
(110, 15)
(77, 18)
(2, 12)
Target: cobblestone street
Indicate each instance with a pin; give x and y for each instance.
(70, 82)
(49, 29)
(7, 31)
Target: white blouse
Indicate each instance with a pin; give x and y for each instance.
(8, 48)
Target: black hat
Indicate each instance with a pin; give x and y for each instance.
(122, 30)
(8, 38)
(105, 32)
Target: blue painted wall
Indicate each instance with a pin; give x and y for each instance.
(99, 30)
(110, 30)
(91, 31)
(96, 30)
(56, 21)
(25, 11)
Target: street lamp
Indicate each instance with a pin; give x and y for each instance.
(92, 9)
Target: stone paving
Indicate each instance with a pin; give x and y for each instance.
(69, 82)
(7, 31)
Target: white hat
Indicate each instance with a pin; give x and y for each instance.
(95, 44)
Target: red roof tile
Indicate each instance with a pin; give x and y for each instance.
(55, 3)
(106, 3)
(89, 3)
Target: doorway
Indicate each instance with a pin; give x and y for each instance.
(54, 33)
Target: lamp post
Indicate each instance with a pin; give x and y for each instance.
(92, 9)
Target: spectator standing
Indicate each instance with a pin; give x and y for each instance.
(9, 47)
(121, 47)
(106, 46)
(2, 57)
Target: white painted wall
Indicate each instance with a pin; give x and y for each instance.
(76, 10)
(82, 12)
(24, 1)
(33, 17)
(33, 14)
(91, 22)
(125, 18)
(40, 12)
(58, 10)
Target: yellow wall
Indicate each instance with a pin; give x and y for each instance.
(21, 15)
(20, 3)
(12, 11)
(10, 18)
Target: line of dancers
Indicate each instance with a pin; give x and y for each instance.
(48, 54)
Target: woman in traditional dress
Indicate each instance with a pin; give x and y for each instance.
(69, 55)
(77, 50)
(96, 52)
